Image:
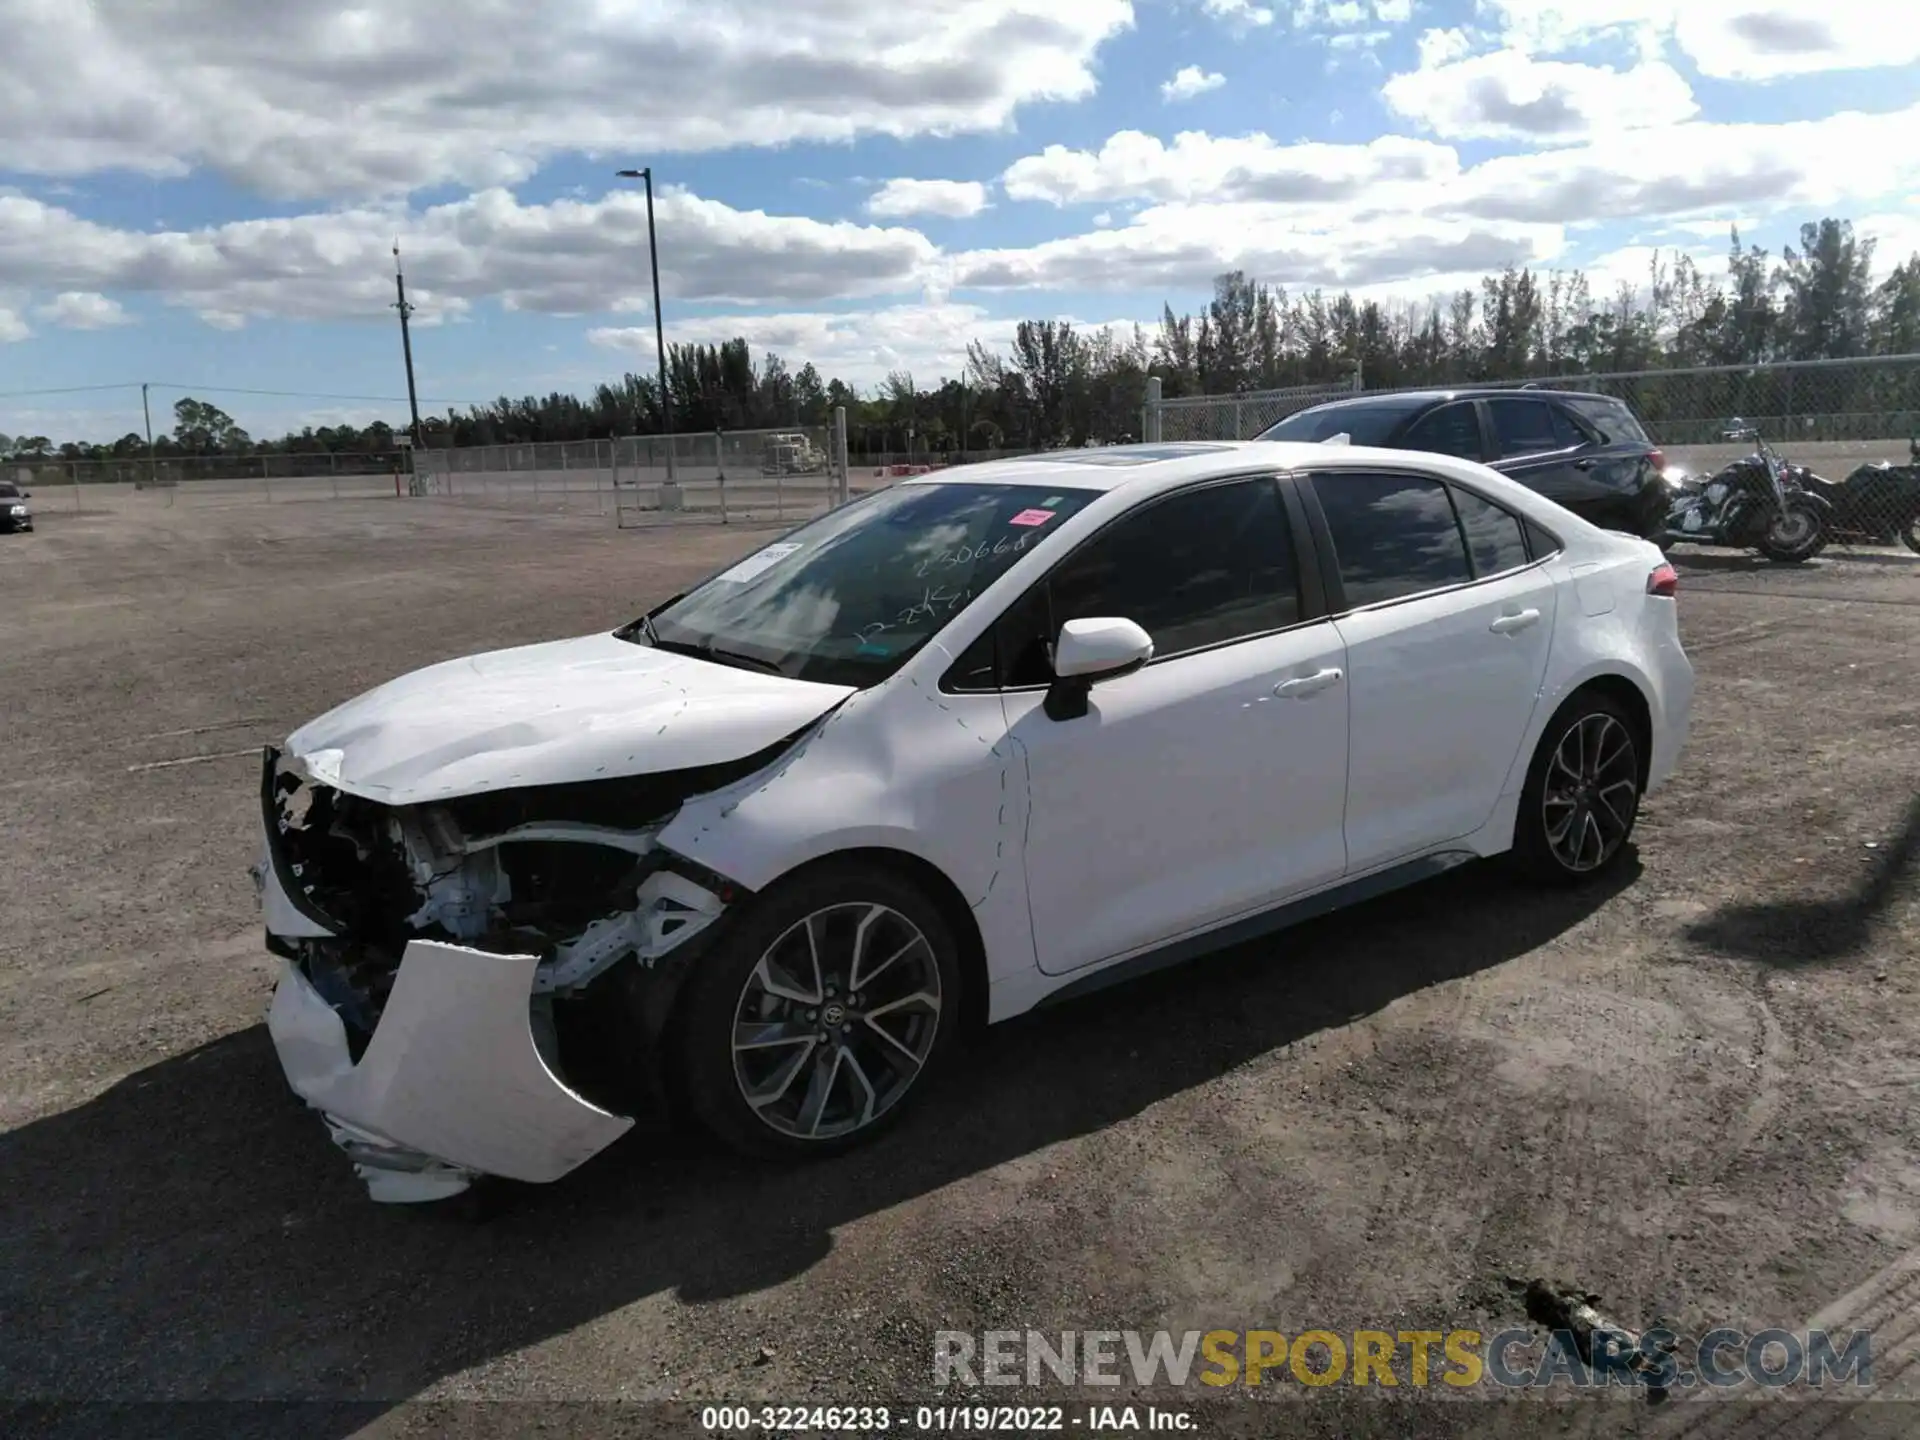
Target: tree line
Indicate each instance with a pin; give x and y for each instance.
(1057, 384)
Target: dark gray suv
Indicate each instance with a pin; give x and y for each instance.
(1586, 452)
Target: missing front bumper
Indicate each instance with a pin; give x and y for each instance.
(452, 1084)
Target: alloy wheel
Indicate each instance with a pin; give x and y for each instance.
(1592, 786)
(836, 1021)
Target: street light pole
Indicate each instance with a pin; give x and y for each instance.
(659, 325)
(406, 342)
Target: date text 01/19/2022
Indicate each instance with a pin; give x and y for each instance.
(942, 1419)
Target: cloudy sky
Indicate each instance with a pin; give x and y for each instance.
(205, 193)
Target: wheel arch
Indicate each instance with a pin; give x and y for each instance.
(945, 896)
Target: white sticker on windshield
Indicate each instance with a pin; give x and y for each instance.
(758, 561)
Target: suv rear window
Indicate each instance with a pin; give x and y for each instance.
(1365, 424)
(1611, 418)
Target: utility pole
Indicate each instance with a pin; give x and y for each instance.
(147, 413)
(406, 343)
(659, 325)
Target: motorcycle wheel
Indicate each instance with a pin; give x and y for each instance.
(1796, 536)
(1910, 534)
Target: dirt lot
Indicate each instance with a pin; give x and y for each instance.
(1693, 1093)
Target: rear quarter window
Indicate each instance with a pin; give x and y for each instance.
(1613, 421)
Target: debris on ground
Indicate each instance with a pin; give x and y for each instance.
(1601, 1341)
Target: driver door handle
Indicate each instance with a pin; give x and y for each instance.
(1305, 685)
(1507, 624)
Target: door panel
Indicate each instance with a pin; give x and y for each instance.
(1443, 689)
(1541, 449)
(1192, 791)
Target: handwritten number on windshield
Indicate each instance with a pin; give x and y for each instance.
(933, 601)
(968, 554)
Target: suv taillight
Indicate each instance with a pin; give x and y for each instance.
(1664, 580)
(1657, 459)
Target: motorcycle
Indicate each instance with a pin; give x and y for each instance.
(1753, 504)
(1878, 504)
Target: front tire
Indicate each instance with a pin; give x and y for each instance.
(1797, 536)
(1582, 796)
(816, 1026)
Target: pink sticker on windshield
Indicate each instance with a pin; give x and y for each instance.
(1031, 517)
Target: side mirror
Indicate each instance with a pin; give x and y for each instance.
(1090, 650)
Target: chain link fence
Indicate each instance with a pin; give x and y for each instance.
(209, 480)
(548, 475)
(734, 476)
(1851, 423)
(1231, 417)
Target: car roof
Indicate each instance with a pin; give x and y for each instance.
(1415, 399)
(1145, 469)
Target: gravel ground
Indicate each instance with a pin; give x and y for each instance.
(1691, 1091)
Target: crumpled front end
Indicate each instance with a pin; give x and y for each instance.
(452, 972)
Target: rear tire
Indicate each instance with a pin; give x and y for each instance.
(1910, 534)
(821, 1021)
(1582, 796)
(1796, 537)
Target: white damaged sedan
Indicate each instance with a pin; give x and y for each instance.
(988, 738)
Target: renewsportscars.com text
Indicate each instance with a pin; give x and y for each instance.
(1511, 1359)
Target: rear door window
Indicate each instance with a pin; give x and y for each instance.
(1451, 430)
(1568, 430)
(1393, 535)
(1495, 538)
(1524, 427)
(1610, 419)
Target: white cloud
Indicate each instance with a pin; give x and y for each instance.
(1393, 12)
(1437, 47)
(1198, 166)
(1728, 39)
(13, 329)
(567, 256)
(84, 310)
(1896, 235)
(861, 347)
(1239, 13)
(1182, 246)
(1398, 211)
(1511, 96)
(1189, 81)
(348, 98)
(954, 199)
(1687, 170)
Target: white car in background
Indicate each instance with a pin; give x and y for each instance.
(976, 741)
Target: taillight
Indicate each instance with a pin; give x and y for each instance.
(1664, 580)
(1657, 459)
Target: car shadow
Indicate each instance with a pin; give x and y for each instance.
(191, 1233)
(1797, 933)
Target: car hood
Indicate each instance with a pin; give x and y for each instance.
(590, 708)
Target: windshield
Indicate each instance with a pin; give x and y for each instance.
(1366, 424)
(847, 599)
(9, 491)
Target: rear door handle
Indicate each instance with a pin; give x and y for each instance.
(1507, 624)
(1307, 685)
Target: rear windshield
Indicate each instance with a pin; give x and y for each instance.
(1610, 417)
(1364, 424)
